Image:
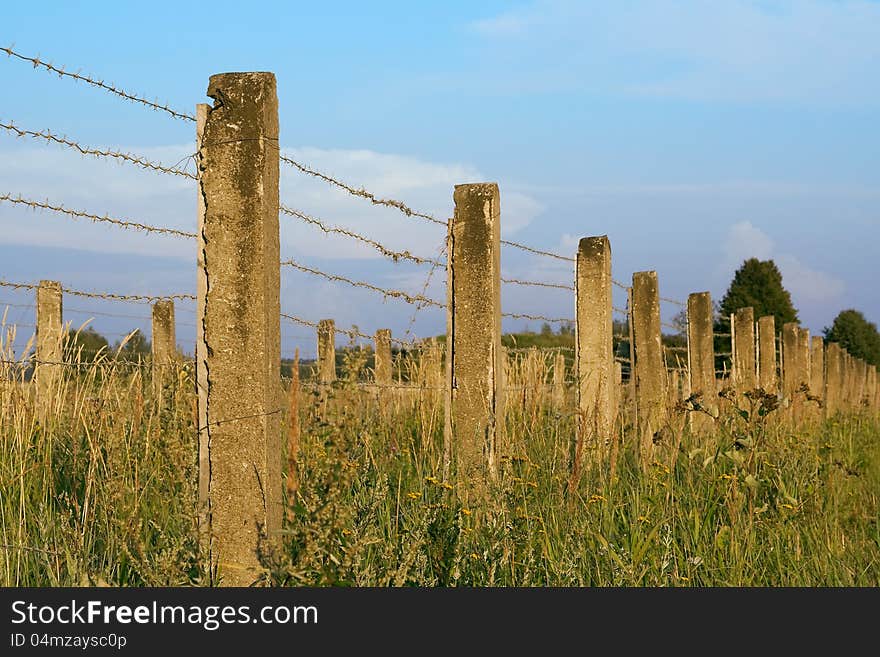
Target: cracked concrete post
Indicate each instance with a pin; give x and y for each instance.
(701, 359)
(817, 369)
(474, 427)
(744, 362)
(326, 351)
(790, 374)
(650, 370)
(594, 350)
(164, 344)
(767, 379)
(559, 380)
(238, 162)
(382, 368)
(833, 379)
(202, 110)
(50, 344)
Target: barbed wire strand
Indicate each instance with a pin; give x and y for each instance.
(79, 214)
(351, 333)
(100, 84)
(95, 152)
(396, 294)
(540, 318)
(516, 281)
(136, 298)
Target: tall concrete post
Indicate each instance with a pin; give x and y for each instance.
(817, 368)
(833, 379)
(845, 380)
(861, 383)
(701, 359)
(744, 362)
(650, 369)
(594, 358)
(474, 428)
(382, 355)
(791, 376)
(50, 344)
(238, 162)
(164, 343)
(767, 380)
(326, 351)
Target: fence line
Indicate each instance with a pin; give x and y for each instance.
(95, 152)
(135, 298)
(541, 318)
(100, 84)
(516, 281)
(79, 214)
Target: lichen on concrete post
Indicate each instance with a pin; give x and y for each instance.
(594, 357)
(767, 363)
(650, 370)
(382, 356)
(744, 361)
(163, 346)
(326, 351)
(238, 180)
(50, 344)
(701, 361)
(475, 384)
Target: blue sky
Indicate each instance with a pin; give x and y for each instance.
(694, 133)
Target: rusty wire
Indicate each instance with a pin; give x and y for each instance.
(136, 298)
(674, 301)
(85, 150)
(100, 84)
(79, 214)
(381, 248)
(559, 320)
(516, 281)
(363, 193)
(396, 294)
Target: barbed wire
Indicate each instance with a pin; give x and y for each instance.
(101, 362)
(516, 281)
(137, 298)
(622, 286)
(396, 294)
(549, 254)
(100, 84)
(17, 305)
(419, 307)
(85, 150)
(79, 214)
(674, 301)
(381, 248)
(540, 318)
(622, 311)
(351, 333)
(363, 193)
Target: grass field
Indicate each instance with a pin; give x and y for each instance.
(104, 490)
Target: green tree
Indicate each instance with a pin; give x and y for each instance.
(856, 334)
(758, 283)
(84, 345)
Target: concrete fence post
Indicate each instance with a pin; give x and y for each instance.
(164, 344)
(791, 376)
(326, 351)
(833, 379)
(701, 359)
(767, 379)
(861, 385)
(474, 428)
(50, 344)
(594, 351)
(744, 361)
(238, 162)
(650, 369)
(817, 369)
(382, 356)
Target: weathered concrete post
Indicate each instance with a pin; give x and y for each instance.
(164, 344)
(559, 380)
(238, 163)
(650, 370)
(326, 351)
(701, 359)
(594, 357)
(817, 369)
(833, 379)
(744, 361)
(861, 383)
(50, 344)
(475, 381)
(767, 380)
(382, 355)
(845, 380)
(791, 375)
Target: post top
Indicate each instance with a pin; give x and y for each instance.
(476, 189)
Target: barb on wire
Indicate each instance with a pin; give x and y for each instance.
(137, 298)
(540, 318)
(363, 193)
(100, 84)
(397, 294)
(523, 247)
(385, 251)
(79, 214)
(674, 301)
(516, 281)
(85, 150)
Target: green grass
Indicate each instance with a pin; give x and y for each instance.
(104, 492)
